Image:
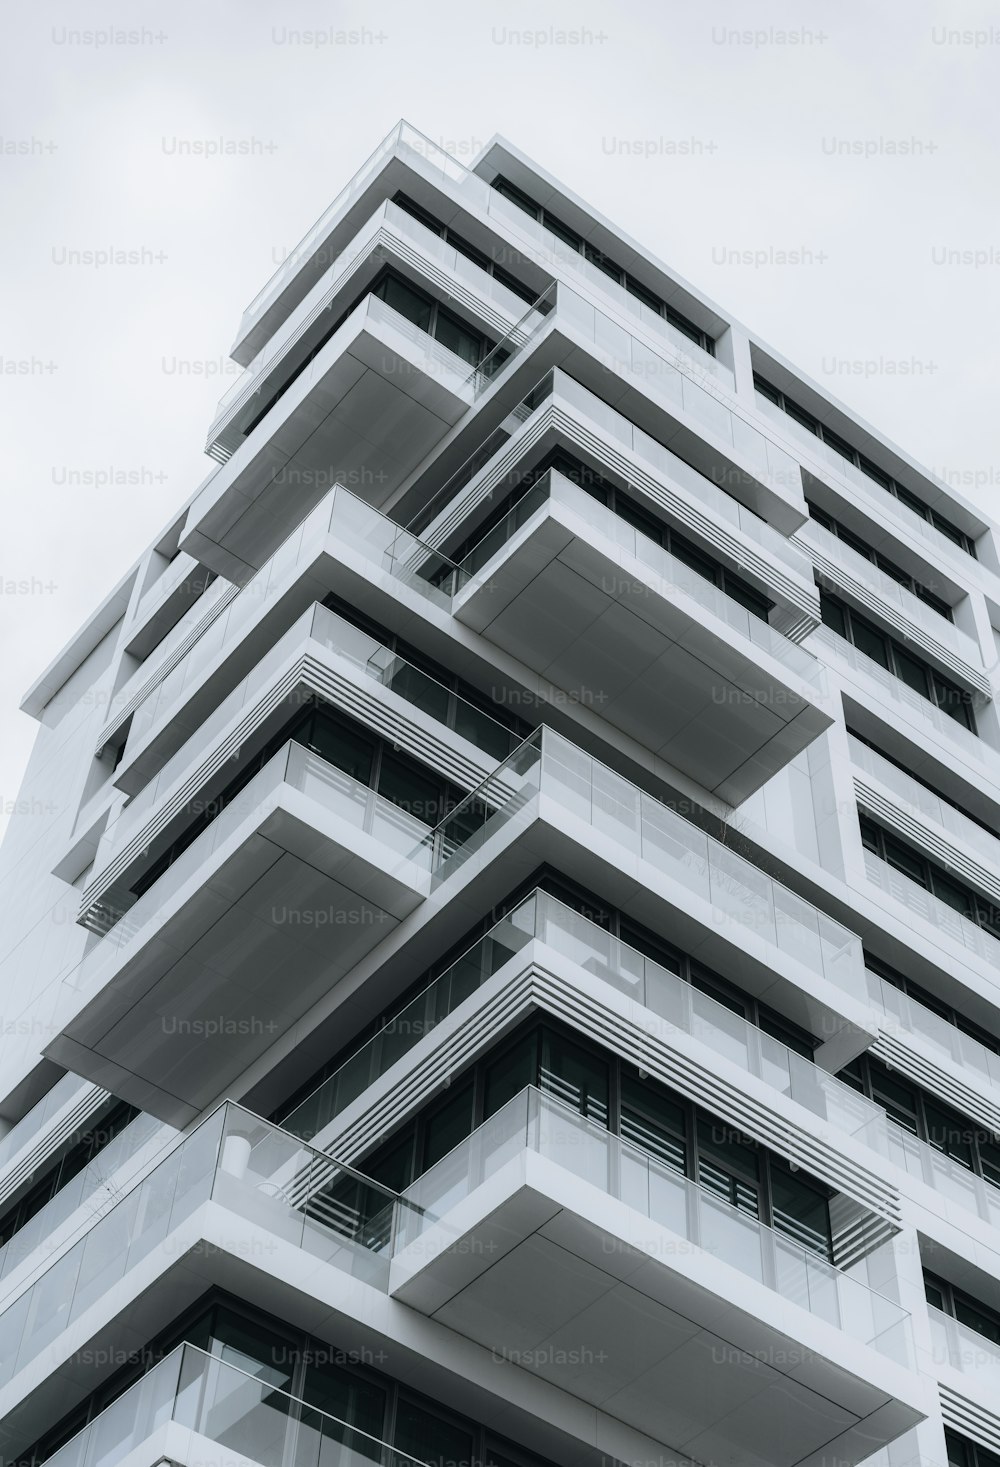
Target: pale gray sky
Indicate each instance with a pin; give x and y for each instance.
(208, 136)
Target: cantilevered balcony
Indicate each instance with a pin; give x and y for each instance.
(415, 251)
(343, 545)
(234, 1188)
(565, 1227)
(560, 411)
(379, 394)
(596, 1267)
(322, 657)
(407, 160)
(551, 802)
(893, 701)
(936, 914)
(331, 424)
(196, 1410)
(545, 958)
(193, 981)
(603, 611)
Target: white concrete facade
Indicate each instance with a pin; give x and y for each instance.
(544, 662)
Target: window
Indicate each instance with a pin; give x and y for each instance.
(605, 264)
(426, 313)
(429, 315)
(462, 245)
(899, 764)
(675, 1133)
(913, 864)
(919, 1113)
(897, 659)
(872, 471)
(302, 1367)
(887, 566)
(965, 1453)
(929, 1001)
(353, 749)
(59, 1175)
(455, 702)
(626, 507)
(962, 1307)
(514, 1068)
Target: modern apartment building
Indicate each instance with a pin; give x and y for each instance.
(501, 936)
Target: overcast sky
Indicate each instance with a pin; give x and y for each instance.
(205, 136)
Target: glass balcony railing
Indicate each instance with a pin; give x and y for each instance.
(904, 1016)
(533, 1121)
(617, 426)
(554, 488)
(520, 335)
(678, 1007)
(277, 1183)
(166, 655)
(246, 1416)
(841, 650)
(388, 216)
(439, 361)
(32, 1125)
(369, 658)
(341, 515)
(96, 1186)
(438, 164)
(916, 799)
(923, 903)
(572, 395)
(350, 800)
(961, 1348)
(899, 597)
(825, 453)
(744, 899)
(943, 1174)
(662, 378)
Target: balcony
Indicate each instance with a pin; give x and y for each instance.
(905, 705)
(953, 1185)
(320, 656)
(827, 457)
(587, 1262)
(343, 545)
(559, 410)
(943, 918)
(95, 1187)
(331, 416)
(302, 848)
(418, 252)
(541, 929)
(909, 807)
(408, 160)
(553, 803)
(956, 1347)
(195, 1410)
(374, 401)
(905, 1019)
(601, 610)
(546, 958)
(235, 1183)
(872, 590)
(166, 601)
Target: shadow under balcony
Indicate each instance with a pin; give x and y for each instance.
(604, 612)
(589, 1263)
(193, 981)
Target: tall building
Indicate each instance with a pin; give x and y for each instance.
(501, 929)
